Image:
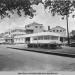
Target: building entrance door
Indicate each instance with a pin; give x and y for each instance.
(27, 40)
(61, 39)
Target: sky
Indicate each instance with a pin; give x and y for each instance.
(42, 17)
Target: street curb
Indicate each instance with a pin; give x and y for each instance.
(45, 52)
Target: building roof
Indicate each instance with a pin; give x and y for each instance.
(20, 30)
(41, 34)
(34, 23)
(59, 27)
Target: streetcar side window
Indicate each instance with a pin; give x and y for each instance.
(46, 37)
(40, 37)
(34, 38)
(54, 37)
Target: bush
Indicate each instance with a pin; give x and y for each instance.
(44, 46)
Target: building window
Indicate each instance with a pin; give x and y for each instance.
(60, 30)
(53, 30)
(40, 26)
(54, 37)
(36, 26)
(27, 26)
(22, 38)
(16, 39)
(57, 30)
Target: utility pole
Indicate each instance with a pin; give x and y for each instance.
(67, 31)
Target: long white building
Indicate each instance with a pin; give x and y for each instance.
(9, 35)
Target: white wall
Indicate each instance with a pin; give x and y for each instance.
(19, 40)
(2, 40)
(58, 28)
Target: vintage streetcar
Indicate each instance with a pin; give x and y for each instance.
(41, 40)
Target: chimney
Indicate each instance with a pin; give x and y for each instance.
(48, 28)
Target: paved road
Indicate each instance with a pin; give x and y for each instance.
(16, 60)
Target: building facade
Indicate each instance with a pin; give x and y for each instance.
(58, 29)
(2, 40)
(19, 39)
(34, 27)
(61, 31)
(9, 35)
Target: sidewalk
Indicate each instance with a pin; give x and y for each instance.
(64, 51)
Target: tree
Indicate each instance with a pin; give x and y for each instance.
(10, 6)
(61, 7)
(36, 1)
(7, 6)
